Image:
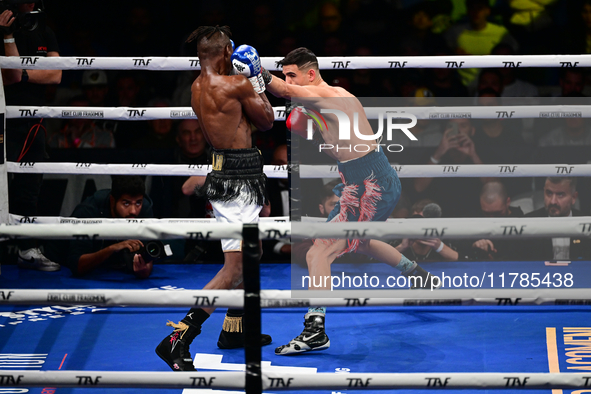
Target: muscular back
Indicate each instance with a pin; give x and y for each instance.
(216, 100)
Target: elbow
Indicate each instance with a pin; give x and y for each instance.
(57, 78)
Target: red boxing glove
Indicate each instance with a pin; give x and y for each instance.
(297, 121)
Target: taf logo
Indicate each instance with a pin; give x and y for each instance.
(568, 64)
(276, 234)
(510, 169)
(511, 64)
(27, 219)
(505, 114)
(10, 379)
(279, 382)
(507, 301)
(434, 232)
(202, 382)
(83, 61)
(88, 380)
(28, 112)
(198, 235)
(564, 169)
(356, 382)
(5, 296)
(341, 64)
(136, 112)
(437, 382)
(512, 230)
(356, 301)
(454, 64)
(397, 64)
(141, 62)
(516, 382)
(29, 61)
(194, 62)
(205, 301)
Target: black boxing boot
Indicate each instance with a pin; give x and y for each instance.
(232, 336)
(422, 279)
(174, 349)
(312, 338)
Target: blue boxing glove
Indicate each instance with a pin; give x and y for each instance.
(246, 61)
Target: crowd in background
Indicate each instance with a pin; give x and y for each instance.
(333, 28)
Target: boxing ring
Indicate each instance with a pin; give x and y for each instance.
(61, 333)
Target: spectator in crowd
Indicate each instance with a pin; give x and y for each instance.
(458, 197)
(82, 132)
(572, 132)
(490, 78)
(95, 87)
(426, 249)
(576, 38)
(128, 88)
(572, 82)
(167, 191)
(512, 86)
(26, 137)
(160, 134)
(327, 200)
(560, 195)
(445, 82)
(478, 37)
(494, 202)
(494, 137)
(278, 188)
(125, 200)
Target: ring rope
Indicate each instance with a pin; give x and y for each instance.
(449, 228)
(432, 112)
(310, 171)
(18, 219)
(302, 298)
(299, 381)
(324, 63)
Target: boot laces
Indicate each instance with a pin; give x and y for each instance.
(184, 343)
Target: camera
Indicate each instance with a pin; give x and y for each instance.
(27, 21)
(154, 250)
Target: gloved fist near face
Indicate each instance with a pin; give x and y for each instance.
(246, 61)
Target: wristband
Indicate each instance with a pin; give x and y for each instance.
(267, 77)
(25, 76)
(440, 248)
(9, 40)
(434, 161)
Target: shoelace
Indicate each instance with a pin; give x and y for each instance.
(182, 328)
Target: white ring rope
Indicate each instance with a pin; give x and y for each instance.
(271, 171)
(302, 298)
(297, 381)
(311, 171)
(325, 63)
(449, 228)
(463, 112)
(18, 219)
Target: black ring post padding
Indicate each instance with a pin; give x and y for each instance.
(251, 255)
(293, 170)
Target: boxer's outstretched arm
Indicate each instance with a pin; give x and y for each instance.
(279, 88)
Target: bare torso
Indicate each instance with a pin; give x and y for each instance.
(337, 98)
(323, 96)
(214, 99)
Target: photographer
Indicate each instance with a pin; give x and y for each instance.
(26, 35)
(125, 200)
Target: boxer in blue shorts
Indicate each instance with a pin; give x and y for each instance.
(369, 192)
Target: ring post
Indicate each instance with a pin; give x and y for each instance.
(252, 307)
